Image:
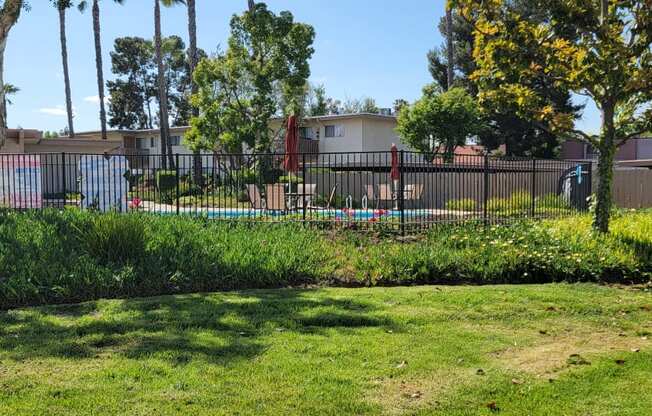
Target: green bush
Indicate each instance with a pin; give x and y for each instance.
(68, 256)
(467, 204)
(552, 201)
(518, 202)
(166, 180)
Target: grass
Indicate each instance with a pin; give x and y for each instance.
(559, 349)
(51, 257)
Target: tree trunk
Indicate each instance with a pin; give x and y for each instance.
(192, 35)
(449, 46)
(605, 171)
(98, 66)
(252, 4)
(162, 95)
(66, 75)
(9, 15)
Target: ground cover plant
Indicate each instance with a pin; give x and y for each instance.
(558, 349)
(63, 257)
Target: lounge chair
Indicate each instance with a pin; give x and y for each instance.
(255, 199)
(305, 193)
(385, 193)
(370, 196)
(275, 197)
(329, 203)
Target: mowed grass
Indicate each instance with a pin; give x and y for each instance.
(514, 350)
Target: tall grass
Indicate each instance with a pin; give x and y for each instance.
(71, 256)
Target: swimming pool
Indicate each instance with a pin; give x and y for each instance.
(338, 214)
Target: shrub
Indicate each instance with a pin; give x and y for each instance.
(67, 256)
(461, 204)
(552, 201)
(166, 180)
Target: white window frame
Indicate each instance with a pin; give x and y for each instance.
(338, 130)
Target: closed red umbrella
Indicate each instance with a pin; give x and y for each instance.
(291, 160)
(394, 173)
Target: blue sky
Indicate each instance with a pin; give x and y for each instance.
(363, 48)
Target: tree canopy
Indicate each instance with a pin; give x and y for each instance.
(440, 121)
(262, 73)
(600, 49)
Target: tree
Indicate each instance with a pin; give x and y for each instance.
(193, 59)
(439, 122)
(600, 49)
(521, 136)
(238, 90)
(132, 60)
(9, 14)
(399, 104)
(318, 103)
(62, 6)
(82, 6)
(135, 87)
(9, 90)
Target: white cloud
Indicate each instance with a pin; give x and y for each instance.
(95, 99)
(58, 111)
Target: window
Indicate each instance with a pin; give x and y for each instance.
(141, 143)
(306, 133)
(336, 130)
(175, 141)
(152, 142)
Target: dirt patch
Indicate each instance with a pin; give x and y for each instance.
(552, 354)
(396, 396)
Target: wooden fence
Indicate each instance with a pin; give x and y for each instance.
(632, 188)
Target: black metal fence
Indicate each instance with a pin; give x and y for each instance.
(355, 190)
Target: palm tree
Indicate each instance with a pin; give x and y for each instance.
(83, 5)
(192, 64)
(62, 6)
(162, 90)
(9, 89)
(252, 4)
(9, 14)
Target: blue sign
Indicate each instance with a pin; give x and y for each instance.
(578, 172)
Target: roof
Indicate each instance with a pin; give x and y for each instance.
(354, 115)
(122, 131)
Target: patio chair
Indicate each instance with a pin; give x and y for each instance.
(305, 193)
(413, 192)
(385, 193)
(329, 203)
(255, 199)
(275, 197)
(370, 195)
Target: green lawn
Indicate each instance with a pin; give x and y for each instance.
(424, 350)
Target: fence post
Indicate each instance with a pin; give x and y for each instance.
(590, 187)
(486, 190)
(534, 186)
(63, 177)
(176, 168)
(401, 193)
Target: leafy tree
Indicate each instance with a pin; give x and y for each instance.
(318, 105)
(62, 6)
(239, 90)
(131, 95)
(521, 136)
(9, 14)
(399, 104)
(136, 86)
(600, 49)
(82, 6)
(439, 122)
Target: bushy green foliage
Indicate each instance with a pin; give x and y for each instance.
(552, 201)
(465, 204)
(519, 201)
(166, 180)
(69, 256)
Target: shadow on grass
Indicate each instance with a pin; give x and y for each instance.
(216, 328)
